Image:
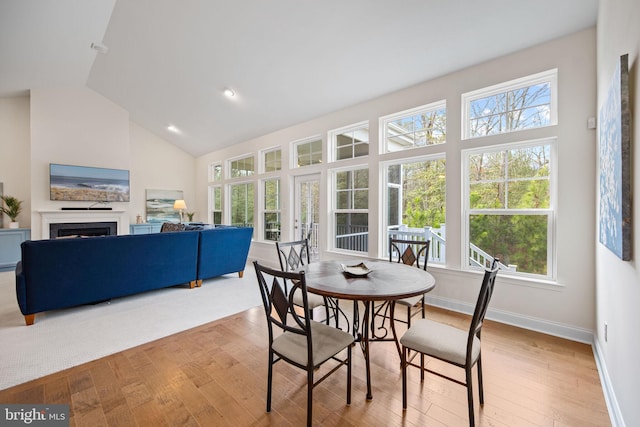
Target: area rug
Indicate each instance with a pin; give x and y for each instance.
(64, 338)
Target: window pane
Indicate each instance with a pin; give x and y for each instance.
(351, 143)
(242, 205)
(352, 231)
(489, 195)
(272, 226)
(520, 241)
(308, 153)
(361, 199)
(242, 167)
(217, 198)
(427, 127)
(272, 195)
(487, 166)
(273, 160)
(217, 218)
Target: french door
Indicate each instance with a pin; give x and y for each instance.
(306, 219)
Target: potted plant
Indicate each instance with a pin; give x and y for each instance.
(12, 209)
(190, 215)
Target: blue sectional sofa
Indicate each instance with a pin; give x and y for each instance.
(61, 273)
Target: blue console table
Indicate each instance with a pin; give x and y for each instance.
(10, 240)
(150, 227)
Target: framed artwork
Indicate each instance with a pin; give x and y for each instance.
(159, 205)
(615, 164)
(1, 216)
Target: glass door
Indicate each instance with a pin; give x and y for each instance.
(307, 220)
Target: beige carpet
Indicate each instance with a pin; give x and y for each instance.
(64, 338)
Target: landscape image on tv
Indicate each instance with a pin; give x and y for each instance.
(82, 183)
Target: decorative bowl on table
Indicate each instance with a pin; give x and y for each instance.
(357, 270)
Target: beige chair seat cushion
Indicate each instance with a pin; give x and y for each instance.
(312, 299)
(439, 340)
(327, 341)
(409, 302)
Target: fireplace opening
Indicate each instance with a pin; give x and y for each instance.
(82, 229)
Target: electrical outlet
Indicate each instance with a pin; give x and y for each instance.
(606, 332)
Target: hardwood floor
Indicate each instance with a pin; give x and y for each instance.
(216, 375)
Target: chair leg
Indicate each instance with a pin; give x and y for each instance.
(404, 377)
(309, 395)
(469, 378)
(349, 374)
(480, 387)
(269, 381)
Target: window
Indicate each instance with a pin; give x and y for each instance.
(242, 167)
(215, 172)
(509, 207)
(350, 142)
(242, 204)
(418, 127)
(272, 209)
(525, 103)
(215, 195)
(415, 203)
(272, 160)
(307, 152)
(351, 215)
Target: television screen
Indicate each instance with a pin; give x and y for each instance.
(91, 184)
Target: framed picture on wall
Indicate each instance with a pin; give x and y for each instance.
(1, 216)
(614, 139)
(159, 204)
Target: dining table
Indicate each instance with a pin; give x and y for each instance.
(369, 282)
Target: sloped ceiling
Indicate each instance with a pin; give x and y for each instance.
(287, 60)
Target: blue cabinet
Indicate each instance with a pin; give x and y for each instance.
(10, 239)
(151, 227)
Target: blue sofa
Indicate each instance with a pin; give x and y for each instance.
(61, 273)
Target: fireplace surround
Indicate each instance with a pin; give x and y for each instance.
(82, 218)
(82, 229)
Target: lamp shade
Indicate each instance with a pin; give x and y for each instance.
(179, 204)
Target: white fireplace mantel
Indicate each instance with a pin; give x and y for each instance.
(71, 216)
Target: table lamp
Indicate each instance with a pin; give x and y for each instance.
(180, 205)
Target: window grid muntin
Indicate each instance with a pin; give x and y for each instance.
(307, 152)
(350, 142)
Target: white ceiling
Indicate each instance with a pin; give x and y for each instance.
(289, 61)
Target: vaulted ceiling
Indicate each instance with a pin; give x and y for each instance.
(288, 61)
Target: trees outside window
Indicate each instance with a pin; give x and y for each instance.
(418, 127)
(242, 204)
(509, 207)
(271, 213)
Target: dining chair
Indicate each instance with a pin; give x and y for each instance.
(450, 344)
(410, 252)
(294, 337)
(293, 256)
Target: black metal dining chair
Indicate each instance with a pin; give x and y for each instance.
(410, 252)
(450, 344)
(294, 337)
(293, 256)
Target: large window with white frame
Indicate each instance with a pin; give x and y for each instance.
(241, 167)
(215, 196)
(509, 207)
(271, 209)
(415, 203)
(307, 152)
(272, 160)
(350, 142)
(525, 103)
(417, 127)
(241, 204)
(351, 209)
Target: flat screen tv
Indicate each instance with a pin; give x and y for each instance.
(90, 184)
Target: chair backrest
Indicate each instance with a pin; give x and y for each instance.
(277, 297)
(484, 296)
(413, 252)
(170, 226)
(293, 255)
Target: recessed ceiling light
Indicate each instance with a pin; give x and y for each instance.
(229, 93)
(172, 128)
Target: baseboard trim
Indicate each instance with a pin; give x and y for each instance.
(607, 388)
(550, 328)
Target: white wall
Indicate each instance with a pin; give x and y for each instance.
(566, 308)
(618, 282)
(159, 165)
(15, 154)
